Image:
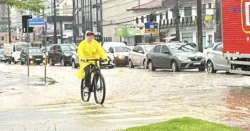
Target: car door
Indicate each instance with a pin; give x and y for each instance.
(156, 55)
(133, 55)
(140, 56)
(51, 52)
(58, 53)
(220, 62)
(165, 57)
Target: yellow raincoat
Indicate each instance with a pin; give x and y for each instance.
(87, 51)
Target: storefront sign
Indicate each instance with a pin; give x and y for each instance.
(151, 28)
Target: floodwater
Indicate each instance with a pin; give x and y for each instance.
(134, 97)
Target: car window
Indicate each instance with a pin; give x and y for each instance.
(164, 49)
(218, 47)
(121, 49)
(67, 47)
(35, 50)
(157, 49)
(181, 48)
(148, 48)
(140, 49)
(136, 49)
(1, 52)
(210, 46)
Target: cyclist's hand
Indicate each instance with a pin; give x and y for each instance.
(84, 60)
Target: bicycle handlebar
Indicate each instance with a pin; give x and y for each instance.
(87, 60)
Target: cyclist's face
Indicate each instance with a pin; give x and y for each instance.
(90, 37)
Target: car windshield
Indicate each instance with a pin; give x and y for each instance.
(181, 48)
(68, 47)
(121, 49)
(148, 48)
(210, 46)
(21, 46)
(35, 50)
(1, 52)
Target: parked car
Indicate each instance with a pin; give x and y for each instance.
(216, 61)
(46, 52)
(107, 45)
(137, 57)
(109, 64)
(34, 55)
(175, 56)
(61, 53)
(208, 48)
(120, 54)
(2, 58)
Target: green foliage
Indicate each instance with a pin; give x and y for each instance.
(184, 124)
(23, 5)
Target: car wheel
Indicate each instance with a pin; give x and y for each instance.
(73, 64)
(14, 61)
(62, 62)
(151, 66)
(22, 63)
(145, 66)
(210, 67)
(9, 61)
(174, 66)
(50, 62)
(131, 64)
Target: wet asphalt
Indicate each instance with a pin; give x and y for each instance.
(134, 97)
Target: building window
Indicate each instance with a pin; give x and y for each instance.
(203, 9)
(68, 26)
(2, 38)
(188, 37)
(187, 11)
(160, 16)
(166, 16)
(209, 5)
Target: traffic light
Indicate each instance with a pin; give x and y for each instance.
(25, 23)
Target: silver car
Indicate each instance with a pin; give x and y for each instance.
(216, 61)
(175, 56)
(2, 58)
(137, 57)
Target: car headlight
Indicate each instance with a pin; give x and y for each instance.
(30, 57)
(184, 58)
(44, 56)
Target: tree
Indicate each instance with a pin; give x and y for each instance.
(23, 5)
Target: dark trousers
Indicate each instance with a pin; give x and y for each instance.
(87, 78)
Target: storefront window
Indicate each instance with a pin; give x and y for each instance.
(188, 37)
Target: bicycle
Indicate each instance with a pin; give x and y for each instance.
(94, 84)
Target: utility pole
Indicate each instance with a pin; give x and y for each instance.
(101, 21)
(199, 25)
(54, 19)
(176, 11)
(9, 24)
(74, 21)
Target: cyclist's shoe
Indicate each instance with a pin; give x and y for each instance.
(86, 90)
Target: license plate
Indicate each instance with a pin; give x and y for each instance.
(197, 63)
(38, 59)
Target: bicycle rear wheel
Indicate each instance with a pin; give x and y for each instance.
(85, 96)
(99, 88)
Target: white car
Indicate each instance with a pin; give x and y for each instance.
(120, 54)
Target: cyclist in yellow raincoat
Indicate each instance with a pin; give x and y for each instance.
(88, 49)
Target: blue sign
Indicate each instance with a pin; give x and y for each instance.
(151, 25)
(36, 22)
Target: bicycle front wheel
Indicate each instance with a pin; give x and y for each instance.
(99, 89)
(85, 96)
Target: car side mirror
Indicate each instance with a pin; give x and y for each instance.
(166, 52)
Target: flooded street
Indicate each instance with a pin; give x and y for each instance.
(134, 97)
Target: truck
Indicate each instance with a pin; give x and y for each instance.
(236, 34)
(12, 52)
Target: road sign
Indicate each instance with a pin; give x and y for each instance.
(36, 22)
(151, 27)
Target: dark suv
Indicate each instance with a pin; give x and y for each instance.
(61, 53)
